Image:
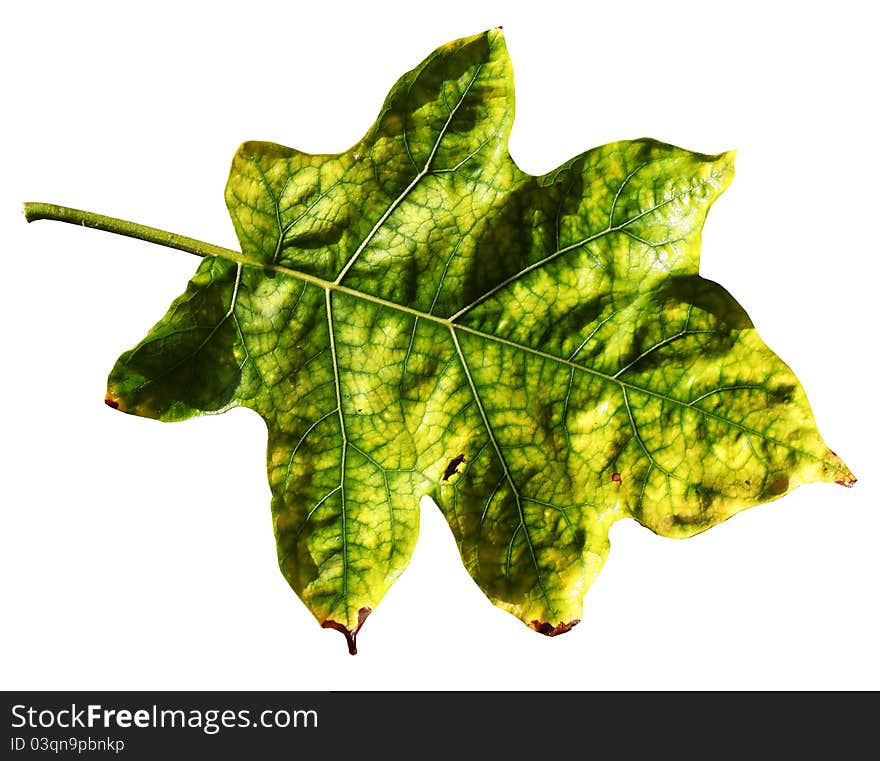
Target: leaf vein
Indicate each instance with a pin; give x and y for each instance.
(415, 181)
(505, 469)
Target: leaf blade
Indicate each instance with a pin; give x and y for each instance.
(538, 354)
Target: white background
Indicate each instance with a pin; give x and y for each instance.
(135, 554)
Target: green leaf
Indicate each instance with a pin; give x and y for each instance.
(417, 316)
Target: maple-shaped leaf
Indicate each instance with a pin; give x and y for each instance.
(417, 316)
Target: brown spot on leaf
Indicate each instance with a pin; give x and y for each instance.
(112, 403)
(549, 630)
(846, 482)
(452, 467)
(349, 634)
(615, 478)
(777, 486)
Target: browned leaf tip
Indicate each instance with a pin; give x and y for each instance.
(112, 403)
(349, 634)
(547, 629)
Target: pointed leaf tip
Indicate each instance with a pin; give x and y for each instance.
(349, 634)
(549, 630)
(836, 470)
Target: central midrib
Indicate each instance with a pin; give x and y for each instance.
(34, 211)
(450, 325)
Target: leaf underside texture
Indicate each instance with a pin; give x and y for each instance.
(537, 354)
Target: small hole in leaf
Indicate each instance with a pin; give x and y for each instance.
(452, 467)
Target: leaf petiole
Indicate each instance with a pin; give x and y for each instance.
(34, 211)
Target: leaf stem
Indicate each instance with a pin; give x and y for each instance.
(35, 211)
